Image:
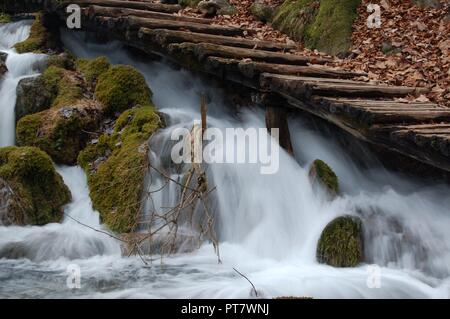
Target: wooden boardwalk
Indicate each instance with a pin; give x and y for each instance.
(368, 111)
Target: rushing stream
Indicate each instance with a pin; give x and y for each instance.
(268, 225)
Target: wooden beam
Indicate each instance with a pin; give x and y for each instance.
(165, 37)
(138, 5)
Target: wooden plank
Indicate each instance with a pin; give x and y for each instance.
(137, 23)
(165, 37)
(138, 5)
(303, 87)
(204, 50)
(115, 12)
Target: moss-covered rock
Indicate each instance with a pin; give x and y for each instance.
(61, 132)
(116, 166)
(120, 88)
(29, 185)
(32, 97)
(325, 25)
(40, 39)
(341, 243)
(322, 174)
(262, 11)
(93, 68)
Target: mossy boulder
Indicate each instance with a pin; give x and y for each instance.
(32, 97)
(40, 40)
(322, 174)
(325, 25)
(93, 68)
(61, 132)
(32, 191)
(116, 165)
(262, 11)
(341, 243)
(120, 88)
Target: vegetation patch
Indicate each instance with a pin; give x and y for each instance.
(5, 18)
(322, 174)
(38, 191)
(341, 242)
(325, 25)
(120, 88)
(93, 68)
(40, 39)
(116, 165)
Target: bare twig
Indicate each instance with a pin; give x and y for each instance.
(254, 288)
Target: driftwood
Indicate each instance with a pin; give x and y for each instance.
(165, 37)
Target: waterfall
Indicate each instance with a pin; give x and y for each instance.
(19, 66)
(268, 225)
(69, 239)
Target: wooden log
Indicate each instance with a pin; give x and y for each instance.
(165, 37)
(137, 23)
(304, 87)
(112, 12)
(276, 118)
(204, 50)
(252, 69)
(138, 5)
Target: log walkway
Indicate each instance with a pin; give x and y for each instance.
(368, 111)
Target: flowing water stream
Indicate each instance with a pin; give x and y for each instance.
(268, 225)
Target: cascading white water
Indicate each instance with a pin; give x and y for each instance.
(19, 66)
(69, 239)
(268, 225)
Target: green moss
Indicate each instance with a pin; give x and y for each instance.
(332, 29)
(5, 18)
(341, 243)
(294, 16)
(63, 89)
(40, 191)
(92, 69)
(323, 174)
(325, 25)
(39, 40)
(116, 184)
(122, 87)
(60, 135)
(64, 61)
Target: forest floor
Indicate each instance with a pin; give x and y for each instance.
(412, 46)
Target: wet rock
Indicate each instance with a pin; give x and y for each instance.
(322, 174)
(3, 68)
(341, 243)
(31, 191)
(32, 97)
(120, 160)
(216, 7)
(262, 11)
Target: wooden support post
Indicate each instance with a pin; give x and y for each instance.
(276, 117)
